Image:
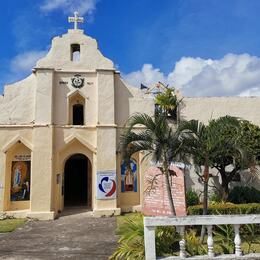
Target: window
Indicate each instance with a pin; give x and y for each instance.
(75, 52)
(78, 114)
(76, 109)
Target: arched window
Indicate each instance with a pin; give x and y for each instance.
(75, 52)
(76, 106)
(78, 114)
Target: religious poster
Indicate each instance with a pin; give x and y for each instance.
(129, 177)
(20, 178)
(106, 185)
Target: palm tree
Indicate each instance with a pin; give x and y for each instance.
(157, 139)
(205, 144)
(168, 102)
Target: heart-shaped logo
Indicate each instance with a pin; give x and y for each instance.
(107, 186)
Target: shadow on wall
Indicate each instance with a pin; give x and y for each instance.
(122, 95)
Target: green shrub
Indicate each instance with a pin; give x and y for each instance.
(193, 244)
(214, 198)
(244, 194)
(167, 240)
(226, 208)
(224, 237)
(192, 198)
(131, 239)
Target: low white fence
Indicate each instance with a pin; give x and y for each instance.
(150, 223)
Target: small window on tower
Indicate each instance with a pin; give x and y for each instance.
(75, 52)
(78, 114)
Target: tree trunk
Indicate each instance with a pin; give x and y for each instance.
(224, 186)
(169, 192)
(205, 191)
(205, 198)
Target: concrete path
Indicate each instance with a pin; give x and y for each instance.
(73, 236)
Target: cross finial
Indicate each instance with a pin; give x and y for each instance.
(76, 19)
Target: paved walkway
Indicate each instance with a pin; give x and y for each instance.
(73, 236)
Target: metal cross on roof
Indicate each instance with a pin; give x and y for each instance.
(76, 19)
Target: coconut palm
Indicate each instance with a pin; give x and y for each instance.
(157, 139)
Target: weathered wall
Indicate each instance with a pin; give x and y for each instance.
(206, 108)
(155, 200)
(17, 102)
(59, 56)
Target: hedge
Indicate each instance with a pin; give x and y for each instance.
(226, 209)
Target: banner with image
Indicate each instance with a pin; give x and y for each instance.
(20, 180)
(129, 177)
(106, 185)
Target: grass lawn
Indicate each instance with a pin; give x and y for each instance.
(9, 225)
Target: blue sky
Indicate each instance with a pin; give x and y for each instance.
(198, 45)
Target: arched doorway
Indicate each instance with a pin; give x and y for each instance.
(77, 181)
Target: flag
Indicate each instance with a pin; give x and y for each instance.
(143, 86)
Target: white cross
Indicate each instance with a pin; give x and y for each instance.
(76, 19)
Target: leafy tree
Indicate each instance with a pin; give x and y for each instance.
(157, 139)
(203, 143)
(245, 138)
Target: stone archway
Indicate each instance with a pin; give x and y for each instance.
(77, 181)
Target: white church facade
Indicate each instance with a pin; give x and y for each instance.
(60, 128)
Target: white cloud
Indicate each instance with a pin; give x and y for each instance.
(69, 6)
(24, 62)
(230, 76)
(148, 75)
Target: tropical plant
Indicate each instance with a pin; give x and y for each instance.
(248, 234)
(192, 198)
(224, 237)
(158, 140)
(193, 244)
(207, 145)
(131, 241)
(244, 194)
(168, 102)
(245, 139)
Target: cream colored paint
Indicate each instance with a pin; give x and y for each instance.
(43, 103)
(208, 108)
(37, 112)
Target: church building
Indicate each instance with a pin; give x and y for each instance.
(60, 128)
(59, 133)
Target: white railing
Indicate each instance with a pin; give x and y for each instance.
(150, 223)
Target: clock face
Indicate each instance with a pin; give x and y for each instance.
(77, 81)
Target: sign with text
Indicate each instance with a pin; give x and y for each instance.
(23, 157)
(106, 185)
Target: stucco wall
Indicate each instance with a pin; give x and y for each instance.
(59, 56)
(206, 108)
(36, 112)
(17, 102)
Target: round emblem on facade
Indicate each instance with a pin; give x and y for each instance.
(77, 81)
